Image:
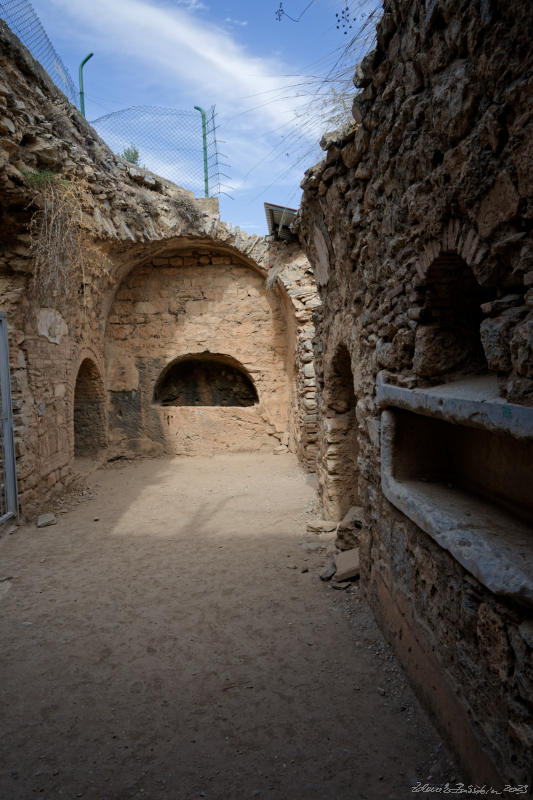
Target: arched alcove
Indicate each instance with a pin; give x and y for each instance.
(205, 379)
(89, 411)
(342, 445)
(448, 337)
(202, 305)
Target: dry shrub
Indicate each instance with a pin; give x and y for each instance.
(65, 255)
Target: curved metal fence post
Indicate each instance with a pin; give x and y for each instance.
(80, 75)
(204, 135)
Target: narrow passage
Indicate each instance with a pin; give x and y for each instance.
(163, 641)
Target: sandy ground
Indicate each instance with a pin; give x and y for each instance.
(162, 642)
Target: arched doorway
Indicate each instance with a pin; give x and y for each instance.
(89, 411)
(341, 441)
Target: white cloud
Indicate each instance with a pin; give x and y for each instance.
(242, 22)
(162, 52)
(204, 61)
(192, 5)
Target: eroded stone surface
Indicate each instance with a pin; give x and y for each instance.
(347, 565)
(44, 520)
(427, 205)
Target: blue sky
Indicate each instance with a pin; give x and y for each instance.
(261, 74)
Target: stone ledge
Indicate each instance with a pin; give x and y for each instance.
(474, 402)
(494, 546)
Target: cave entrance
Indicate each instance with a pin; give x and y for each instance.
(205, 379)
(89, 411)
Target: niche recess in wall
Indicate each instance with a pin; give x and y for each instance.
(205, 379)
(341, 449)
(456, 460)
(448, 337)
(89, 411)
(489, 465)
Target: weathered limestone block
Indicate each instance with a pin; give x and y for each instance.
(454, 100)
(321, 267)
(437, 351)
(495, 338)
(354, 150)
(349, 528)
(347, 564)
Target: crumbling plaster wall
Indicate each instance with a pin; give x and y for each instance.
(134, 217)
(433, 183)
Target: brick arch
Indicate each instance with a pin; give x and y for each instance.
(463, 241)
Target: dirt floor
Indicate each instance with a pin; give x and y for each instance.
(164, 641)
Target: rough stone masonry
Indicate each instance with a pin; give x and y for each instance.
(162, 279)
(411, 373)
(418, 226)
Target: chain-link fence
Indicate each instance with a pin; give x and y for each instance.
(178, 145)
(24, 22)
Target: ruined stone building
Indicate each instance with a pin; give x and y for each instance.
(418, 227)
(395, 356)
(172, 296)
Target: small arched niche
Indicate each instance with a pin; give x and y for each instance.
(89, 411)
(448, 337)
(205, 379)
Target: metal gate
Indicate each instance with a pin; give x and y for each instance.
(8, 474)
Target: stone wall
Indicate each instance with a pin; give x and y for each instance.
(196, 302)
(90, 426)
(418, 226)
(130, 219)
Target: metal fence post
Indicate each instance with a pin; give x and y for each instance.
(204, 136)
(80, 80)
(8, 440)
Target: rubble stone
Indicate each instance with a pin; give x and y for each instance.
(44, 520)
(347, 564)
(422, 263)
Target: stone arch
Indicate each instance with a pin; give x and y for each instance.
(202, 303)
(448, 336)
(205, 379)
(461, 239)
(339, 463)
(89, 414)
(283, 268)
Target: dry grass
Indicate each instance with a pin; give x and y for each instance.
(65, 255)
